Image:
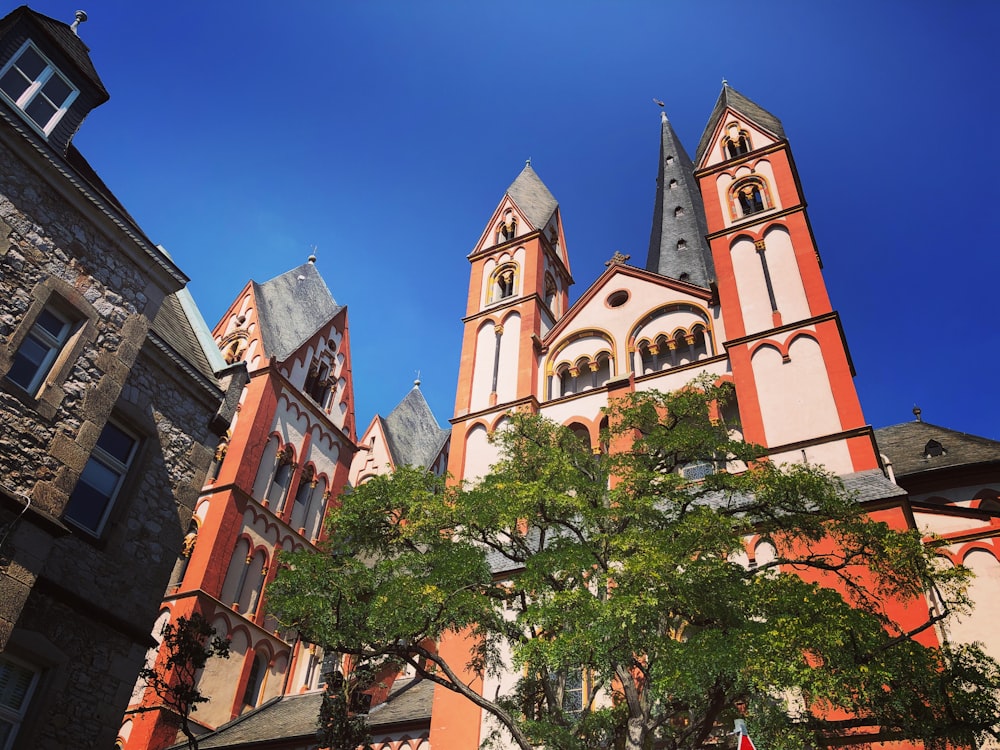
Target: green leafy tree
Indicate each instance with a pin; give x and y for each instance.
(186, 647)
(616, 568)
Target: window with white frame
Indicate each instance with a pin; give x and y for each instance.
(37, 353)
(17, 682)
(102, 478)
(32, 83)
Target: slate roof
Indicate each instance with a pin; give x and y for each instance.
(412, 433)
(905, 446)
(677, 244)
(532, 197)
(733, 99)
(70, 44)
(291, 308)
(294, 717)
(176, 329)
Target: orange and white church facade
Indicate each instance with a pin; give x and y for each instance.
(732, 287)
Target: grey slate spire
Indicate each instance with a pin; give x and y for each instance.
(532, 197)
(412, 433)
(677, 244)
(292, 307)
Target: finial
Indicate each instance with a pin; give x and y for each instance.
(527, 162)
(312, 255)
(725, 83)
(916, 413)
(81, 16)
(617, 259)
(658, 102)
(416, 383)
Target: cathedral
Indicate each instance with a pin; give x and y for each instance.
(732, 287)
(155, 469)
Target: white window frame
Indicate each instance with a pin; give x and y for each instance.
(34, 90)
(115, 466)
(13, 716)
(54, 344)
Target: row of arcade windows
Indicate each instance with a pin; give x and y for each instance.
(584, 375)
(680, 348)
(274, 480)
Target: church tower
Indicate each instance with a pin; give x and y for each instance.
(518, 289)
(789, 358)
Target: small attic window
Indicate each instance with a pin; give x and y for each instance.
(33, 85)
(934, 449)
(617, 299)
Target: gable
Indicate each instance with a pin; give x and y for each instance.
(733, 132)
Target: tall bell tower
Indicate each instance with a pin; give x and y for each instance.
(518, 288)
(789, 358)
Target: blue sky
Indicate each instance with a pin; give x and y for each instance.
(241, 134)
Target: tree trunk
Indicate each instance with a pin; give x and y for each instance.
(635, 738)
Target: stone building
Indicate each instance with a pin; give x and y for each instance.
(112, 400)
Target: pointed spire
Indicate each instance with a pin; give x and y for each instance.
(532, 197)
(677, 244)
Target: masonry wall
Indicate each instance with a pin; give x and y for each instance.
(75, 607)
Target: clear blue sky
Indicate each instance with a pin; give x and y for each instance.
(240, 134)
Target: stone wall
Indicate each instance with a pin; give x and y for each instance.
(74, 606)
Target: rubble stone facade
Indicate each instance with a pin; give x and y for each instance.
(110, 411)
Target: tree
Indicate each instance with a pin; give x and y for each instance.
(616, 568)
(186, 647)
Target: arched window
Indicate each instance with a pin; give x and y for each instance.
(602, 372)
(282, 477)
(236, 574)
(187, 549)
(508, 227)
(503, 282)
(307, 484)
(318, 382)
(314, 514)
(253, 583)
(748, 197)
(736, 142)
(567, 380)
(218, 458)
(255, 682)
(236, 349)
(550, 291)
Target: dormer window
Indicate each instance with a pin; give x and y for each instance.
(34, 86)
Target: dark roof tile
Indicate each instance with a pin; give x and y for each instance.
(291, 308)
(904, 445)
(412, 432)
(296, 717)
(532, 197)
